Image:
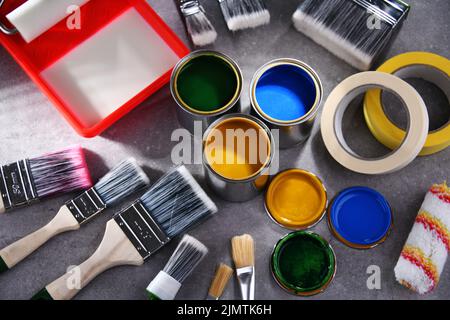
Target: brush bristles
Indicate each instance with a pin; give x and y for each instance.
(243, 251)
(60, 172)
(200, 28)
(341, 26)
(177, 202)
(220, 281)
(126, 178)
(244, 14)
(189, 253)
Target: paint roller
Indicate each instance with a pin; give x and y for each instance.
(35, 17)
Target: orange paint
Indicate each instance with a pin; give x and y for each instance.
(237, 149)
(296, 199)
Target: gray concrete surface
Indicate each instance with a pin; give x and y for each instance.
(30, 125)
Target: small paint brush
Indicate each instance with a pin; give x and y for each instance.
(122, 181)
(27, 181)
(186, 257)
(198, 26)
(244, 14)
(220, 281)
(169, 208)
(243, 252)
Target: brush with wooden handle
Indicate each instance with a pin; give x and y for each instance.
(169, 208)
(243, 251)
(122, 181)
(220, 281)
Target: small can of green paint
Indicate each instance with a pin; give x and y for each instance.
(205, 85)
(303, 263)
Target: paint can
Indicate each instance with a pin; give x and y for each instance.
(296, 199)
(303, 263)
(205, 85)
(286, 94)
(360, 217)
(238, 150)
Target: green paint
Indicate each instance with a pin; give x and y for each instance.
(3, 266)
(207, 83)
(303, 262)
(42, 295)
(152, 296)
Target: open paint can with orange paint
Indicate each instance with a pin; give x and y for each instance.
(296, 199)
(238, 150)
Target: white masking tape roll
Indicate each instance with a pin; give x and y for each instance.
(339, 100)
(34, 17)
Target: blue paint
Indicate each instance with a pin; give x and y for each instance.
(361, 215)
(285, 92)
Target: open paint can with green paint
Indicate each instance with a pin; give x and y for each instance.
(303, 263)
(205, 85)
(286, 94)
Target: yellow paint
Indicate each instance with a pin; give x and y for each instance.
(237, 148)
(296, 199)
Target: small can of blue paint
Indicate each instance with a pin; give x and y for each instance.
(286, 94)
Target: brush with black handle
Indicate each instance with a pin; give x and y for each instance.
(186, 257)
(169, 208)
(27, 181)
(122, 181)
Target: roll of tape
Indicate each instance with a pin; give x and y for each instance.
(339, 100)
(427, 66)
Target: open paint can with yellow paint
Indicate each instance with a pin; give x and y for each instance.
(296, 199)
(238, 150)
(205, 85)
(286, 94)
(303, 263)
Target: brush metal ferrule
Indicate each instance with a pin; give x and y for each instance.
(246, 279)
(86, 206)
(141, 229)
(16, 185)
(390, 11)
(189, 7)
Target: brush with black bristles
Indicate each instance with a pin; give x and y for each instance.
(243, 252)
(169, 208)
(198, 27)
(244, 14)
(356, 31)
(27, 181)
(186, 257)
(220, 281)
(122, 181)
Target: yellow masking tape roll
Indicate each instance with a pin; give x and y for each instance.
(339, 100)
(427, 66)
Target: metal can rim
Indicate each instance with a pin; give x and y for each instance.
(264, 168)
(297, 63)
(179, 66)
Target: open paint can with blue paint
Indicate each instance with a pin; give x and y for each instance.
(286, 94)
(360, 217)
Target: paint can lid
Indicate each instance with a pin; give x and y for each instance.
(360, 217)
(296, 199)
(303, 263)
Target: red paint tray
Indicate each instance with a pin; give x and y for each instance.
(121, 55)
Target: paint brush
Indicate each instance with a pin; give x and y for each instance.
(244, 14)
(220, 281)
(186, 257)
(122, 181)
(27, 181)
(243, 252)
(198, 27)
(356, 31)
(169, 208)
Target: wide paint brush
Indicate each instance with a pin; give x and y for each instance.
(169, 208)
(119, 183)
(220, 281)
(244, 14)
(186, 257)
(27, 181)
(243, 251)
